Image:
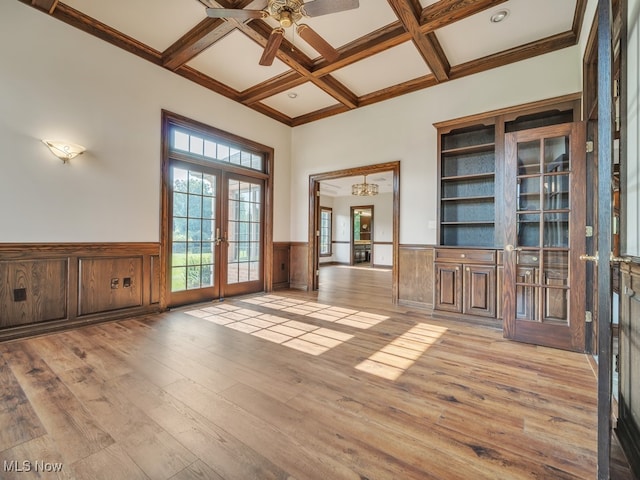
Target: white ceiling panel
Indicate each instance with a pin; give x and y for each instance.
(234, 62)
(157, 24)
(308, 98)
(529, 20)
(393, 66)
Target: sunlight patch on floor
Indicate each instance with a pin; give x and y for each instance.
(395, 358)
(319, 311)
(300, 336)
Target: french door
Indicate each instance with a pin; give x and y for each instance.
(544, 289)
(216, 242)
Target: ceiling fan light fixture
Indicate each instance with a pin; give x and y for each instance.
(285, 19)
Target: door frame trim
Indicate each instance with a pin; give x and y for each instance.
(313, 260)
(169, 118)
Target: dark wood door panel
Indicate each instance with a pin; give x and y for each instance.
(479, 290)
(449, 287)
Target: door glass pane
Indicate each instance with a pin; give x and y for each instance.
(556, 192)
(556, 274)
(556, 267)
(529, 193)
(556, 230)
(192, 249)
(244, 238)
(556, 154)
(529, 158)
(556, 304)
(528, 229)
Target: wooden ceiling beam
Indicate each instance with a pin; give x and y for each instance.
(203, 35)
(437, 15)
(516, 54)
(446, 12)
(90, 25)
(318, 115)
(427, 45)
(47, 5)
(382, 39)
(260, 31)
(196, 41)
(271, 87)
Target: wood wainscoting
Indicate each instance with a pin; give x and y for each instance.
(299, 266)
(415, 286)
(281, 261)
(46, 287)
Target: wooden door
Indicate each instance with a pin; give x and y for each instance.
(479, 287)
(449, 287)
(217, 234)
(543, 295)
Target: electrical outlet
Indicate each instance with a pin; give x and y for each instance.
(115, 283)
(19, 294)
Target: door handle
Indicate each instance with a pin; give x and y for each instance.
(589, 258)
(614, 259)
(510, 248)
(218, 239)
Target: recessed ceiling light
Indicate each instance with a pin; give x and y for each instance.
(292, 95)
(499, 16)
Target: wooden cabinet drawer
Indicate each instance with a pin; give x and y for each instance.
(457, 255)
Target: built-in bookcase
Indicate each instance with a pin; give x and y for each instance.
(471, 170)
(468, 168)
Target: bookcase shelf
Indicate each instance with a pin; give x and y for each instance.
(467, 186)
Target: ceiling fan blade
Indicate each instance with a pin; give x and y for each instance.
(272, 46)
(321, 46)
(235, 13)
(323, 7)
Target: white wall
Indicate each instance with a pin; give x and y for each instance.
(57, 82)
(402, 129)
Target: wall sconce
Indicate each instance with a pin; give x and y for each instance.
(65, 151)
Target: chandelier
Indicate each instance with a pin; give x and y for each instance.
(364, 189)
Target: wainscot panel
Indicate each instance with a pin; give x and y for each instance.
(48, 287)
(298, 270)
(415, 286)
(281, 255)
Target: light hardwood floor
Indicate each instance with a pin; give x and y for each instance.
(294, 385)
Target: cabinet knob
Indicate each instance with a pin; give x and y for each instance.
(535, 259)
(462, 255)
(468, 269)
(457, 268)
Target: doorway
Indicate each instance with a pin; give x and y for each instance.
(345, 249)
(362, 235)
(216, 236)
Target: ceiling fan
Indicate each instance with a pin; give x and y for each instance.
(287, 13)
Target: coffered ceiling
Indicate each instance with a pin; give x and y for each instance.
(386, 48)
